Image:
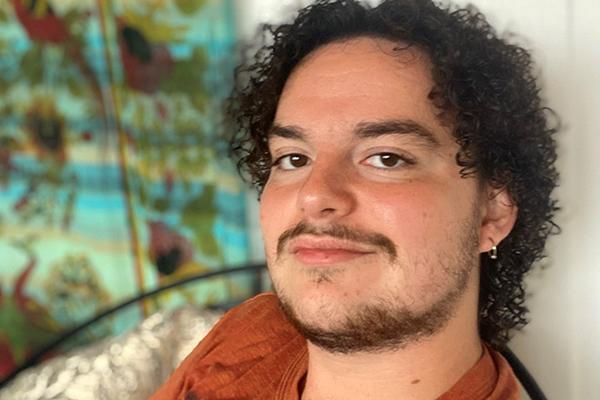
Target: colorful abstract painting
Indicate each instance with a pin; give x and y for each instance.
(112, 179)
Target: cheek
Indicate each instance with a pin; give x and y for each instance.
(415, 214)
(275, 210)
(407, 209)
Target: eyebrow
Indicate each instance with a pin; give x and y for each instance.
(367, 130)
(286, 132)
(396, 126)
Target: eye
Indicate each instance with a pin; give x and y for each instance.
(291, 161)
(386, 160)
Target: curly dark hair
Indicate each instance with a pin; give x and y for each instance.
(486, 83)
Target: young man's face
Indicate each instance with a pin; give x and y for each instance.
(366, 220)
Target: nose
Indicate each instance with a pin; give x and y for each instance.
(326, 193)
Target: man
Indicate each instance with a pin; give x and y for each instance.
(405, 165)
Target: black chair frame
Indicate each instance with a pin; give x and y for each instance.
(523, 375)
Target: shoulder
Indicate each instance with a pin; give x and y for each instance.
(255, 320)
(507, 384)
(251, 311)
(242, 354)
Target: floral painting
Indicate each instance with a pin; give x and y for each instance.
(112, 175)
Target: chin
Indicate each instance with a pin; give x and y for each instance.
(323, 305)
(322, 311)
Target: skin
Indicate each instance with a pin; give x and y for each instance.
(402, 186)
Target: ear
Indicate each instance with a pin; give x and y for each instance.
(499, 214)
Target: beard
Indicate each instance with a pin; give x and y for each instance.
(383, 323)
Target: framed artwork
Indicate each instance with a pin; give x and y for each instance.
(112, 174)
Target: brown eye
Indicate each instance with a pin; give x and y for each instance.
(291, 161)
(385, 160)
(389, 160)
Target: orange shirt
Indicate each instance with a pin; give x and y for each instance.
(254, 353)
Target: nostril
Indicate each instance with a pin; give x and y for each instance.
(191, 396)
(328, 210)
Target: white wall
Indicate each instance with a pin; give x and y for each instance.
(560, 345)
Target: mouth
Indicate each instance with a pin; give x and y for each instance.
(326, 251)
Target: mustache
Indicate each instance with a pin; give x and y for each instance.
(339, 232)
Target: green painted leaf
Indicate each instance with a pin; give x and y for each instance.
(161, 204)
(31, 65)
(21, 333)
(204, 239)
(189, 6)
(75, 86)
(3, 16)
(187, 75)
(200, 214)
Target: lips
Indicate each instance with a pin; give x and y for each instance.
(326, 251)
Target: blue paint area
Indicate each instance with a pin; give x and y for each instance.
(75, 192)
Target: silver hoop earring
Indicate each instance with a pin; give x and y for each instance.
(493, 253)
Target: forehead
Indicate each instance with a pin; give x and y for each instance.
(359, 79)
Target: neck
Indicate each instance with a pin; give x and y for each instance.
(425, 369)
